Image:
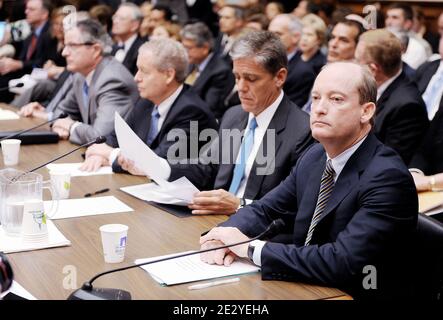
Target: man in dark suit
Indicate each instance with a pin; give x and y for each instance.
(349, 202)
(258, 141)
(36, 48)
(166, 106)
(210, 76)
(125, 26)
(427, 163)
(301, 74)
(400, 120)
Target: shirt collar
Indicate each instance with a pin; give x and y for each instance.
(89, 78)
(339, 162)
(204, 63)
(128, 43)
(165, 105)
(265, 117)
(382, 88)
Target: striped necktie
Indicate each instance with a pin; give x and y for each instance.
(326, 187)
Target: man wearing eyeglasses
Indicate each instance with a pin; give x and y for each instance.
(101, 85)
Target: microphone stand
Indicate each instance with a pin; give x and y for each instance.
(88, 292)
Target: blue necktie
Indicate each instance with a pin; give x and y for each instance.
(85, 94)
(245, 150)
(430, 94)
(153, 130)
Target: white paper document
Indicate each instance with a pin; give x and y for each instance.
(18, 244)
(8, 115)
(191, 268)
(73, 169)
(72, 208)
(18, 290)
(179, 192)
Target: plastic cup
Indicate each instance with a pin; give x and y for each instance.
(114, 238)
(61, 182)
(11, 151)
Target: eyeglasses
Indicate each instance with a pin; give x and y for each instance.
(76, 45)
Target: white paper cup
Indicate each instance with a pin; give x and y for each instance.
(114, 238)
(34, 219)
(61, 182)
(11, 151)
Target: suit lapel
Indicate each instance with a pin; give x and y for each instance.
(204, 75)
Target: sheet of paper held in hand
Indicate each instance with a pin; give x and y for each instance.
(133, 148)
(73, 169)
(191, 268)
(72, 208)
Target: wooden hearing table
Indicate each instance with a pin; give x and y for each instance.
(54, 273)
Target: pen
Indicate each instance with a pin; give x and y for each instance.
(213, 283)
(96, 192)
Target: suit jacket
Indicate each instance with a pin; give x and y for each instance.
(425, 73)
(299, 81)
(46, 47)
(429, 156)
(112, 90)
(130, 61)
(369, 219)
(214, 84)
(317, 61)
(401, 119)
(292, 136)
(186, 108)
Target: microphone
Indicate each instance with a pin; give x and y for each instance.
(17, 134)
(18, 85)
(6, 274)
(88, 292)
(97, 140)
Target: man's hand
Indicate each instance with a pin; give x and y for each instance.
(33, 109)
(62, 127)
(218, 237)
(101, 149)
(93, 163)
(421, 182)
(8, 65)
(214, 202)
(129, 166)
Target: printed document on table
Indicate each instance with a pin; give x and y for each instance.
(152, 192)
(8, 115)
(72, 208)
(191, 268)
(73, 169)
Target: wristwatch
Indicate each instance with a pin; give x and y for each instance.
(251, 248)
(242, 203)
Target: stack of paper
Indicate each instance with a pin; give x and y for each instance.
(8, 115)
(72, 208)
(191, 268)
(73, 169)
(17, 244)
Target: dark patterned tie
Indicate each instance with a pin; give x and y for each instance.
(32, 47)
(326, 186)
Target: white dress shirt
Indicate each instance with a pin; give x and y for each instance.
(432, 110)
(120, 55)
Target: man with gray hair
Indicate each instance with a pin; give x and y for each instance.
(275, 133)
(301, 74)
(167, 105)
(125, 26)
(101, 85)
(349, 203)
(209, 75)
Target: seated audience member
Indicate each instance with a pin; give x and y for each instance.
(257, 22)
(145, 28)
(349, 202)
(160, 14)
(427, 163)
(167, 30)
(312, 39)
(273, 9)
(125, 26)
(275, 131)
(103, 14)
(343, 41)
(101, 85)
(209, 75)
(400, 119)
(166, 105)
(35, 49)
(301, 74)
(399, 16)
